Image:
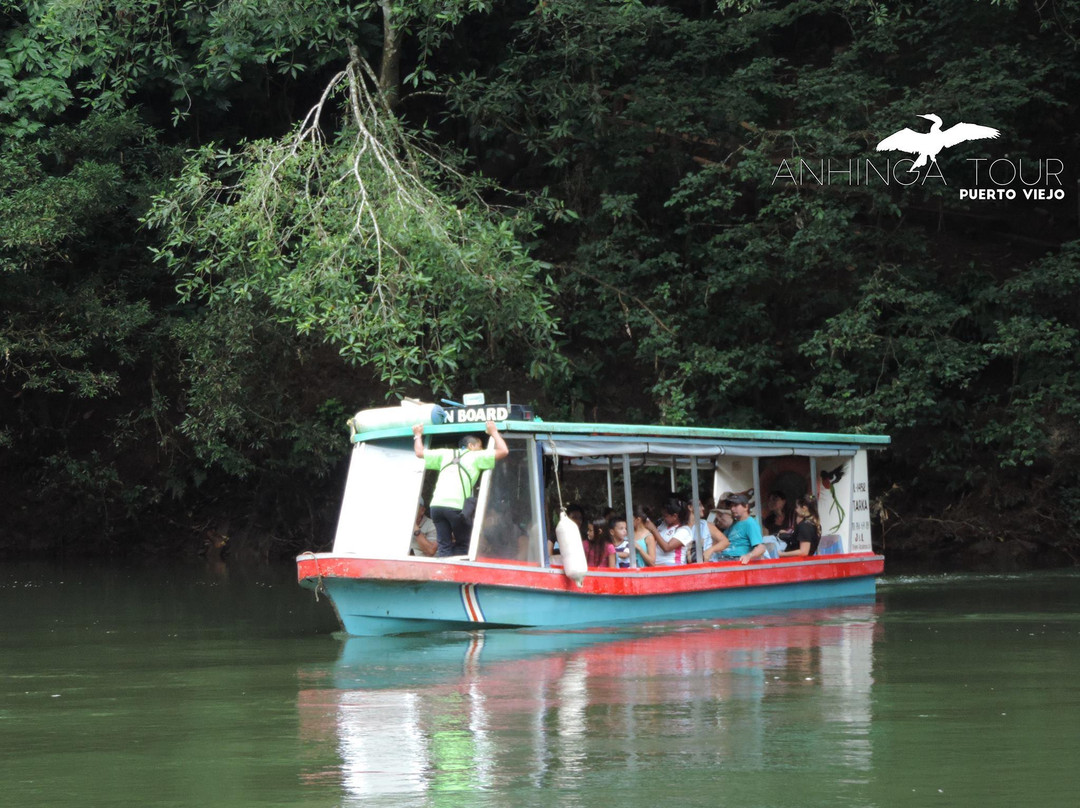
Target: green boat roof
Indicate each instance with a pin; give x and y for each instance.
(609, 431)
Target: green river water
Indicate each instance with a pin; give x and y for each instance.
(223, 686)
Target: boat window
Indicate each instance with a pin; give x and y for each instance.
(509, 524)
(379, 507)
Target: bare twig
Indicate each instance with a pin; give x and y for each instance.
(620, 293)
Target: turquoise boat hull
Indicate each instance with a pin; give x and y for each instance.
(369, 607)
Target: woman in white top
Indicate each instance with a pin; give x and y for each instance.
(674, 537)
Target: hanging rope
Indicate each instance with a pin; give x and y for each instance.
(558, 487)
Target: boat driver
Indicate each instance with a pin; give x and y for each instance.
(459, 471)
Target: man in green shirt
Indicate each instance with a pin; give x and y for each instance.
(459, 471)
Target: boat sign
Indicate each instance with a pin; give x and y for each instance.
(469, 415)
(491, 412)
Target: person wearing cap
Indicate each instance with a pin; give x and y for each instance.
(722, 520)
(425, 538)
(743, 539)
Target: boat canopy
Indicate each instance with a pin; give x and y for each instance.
(599, 452)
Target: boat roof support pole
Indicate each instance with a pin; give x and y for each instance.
(758, 497)
(537, 490)
(628, 496)
(610, 495)
(850, 507)
(813, 477)
(695, 518)
(481, 507)
(672, 474)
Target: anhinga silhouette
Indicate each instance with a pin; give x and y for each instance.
(928, 144)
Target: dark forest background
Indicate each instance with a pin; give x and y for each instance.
(574, 200)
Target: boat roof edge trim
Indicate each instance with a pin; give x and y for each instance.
(621, 432)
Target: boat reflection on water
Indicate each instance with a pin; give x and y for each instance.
(501, 710)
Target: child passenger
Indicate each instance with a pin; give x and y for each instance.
(599, 551)
(618, 536)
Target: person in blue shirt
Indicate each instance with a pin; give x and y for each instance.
(743, 537)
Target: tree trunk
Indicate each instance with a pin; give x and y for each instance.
(390, 68)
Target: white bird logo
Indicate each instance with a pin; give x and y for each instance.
(928, 144)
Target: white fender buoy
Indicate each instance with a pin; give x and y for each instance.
(573, 554)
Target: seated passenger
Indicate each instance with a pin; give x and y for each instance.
(708, 504)
(424, 537)
(718, 526)
(779, 518)
(503, 534)
(619, 538)
(599, 551)
(644, 537)
(674, 537)
(807, 535)
(743, 540)
(700, 530)
(723, 520)
(575, 512)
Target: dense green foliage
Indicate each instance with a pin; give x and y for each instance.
(587, 201)
(362, 246)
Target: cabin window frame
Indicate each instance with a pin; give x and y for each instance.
(535, 529)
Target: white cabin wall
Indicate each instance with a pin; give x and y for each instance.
(834, 503)
(379, 506)
(860, 505)
(733, 474)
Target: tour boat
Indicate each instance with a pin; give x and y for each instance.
(511, 578)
